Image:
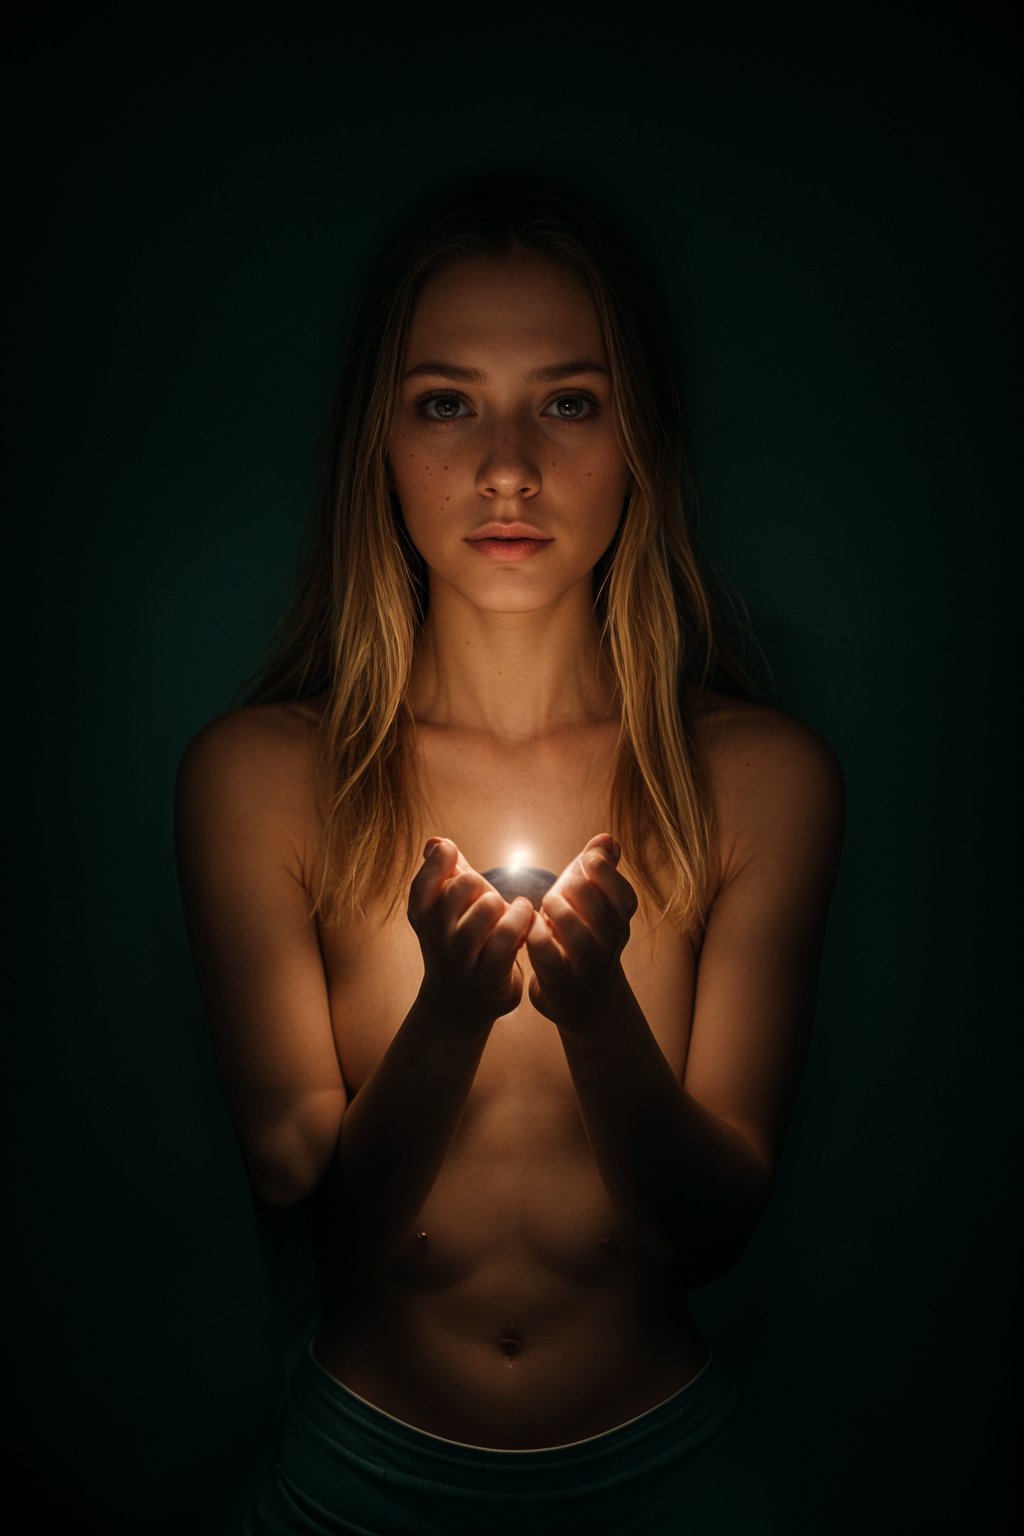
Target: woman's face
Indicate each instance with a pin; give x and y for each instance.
(528, 439)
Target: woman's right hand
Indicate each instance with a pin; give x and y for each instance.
(469, 936)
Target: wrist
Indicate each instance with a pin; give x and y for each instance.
(442, 1009)
(596, 1020)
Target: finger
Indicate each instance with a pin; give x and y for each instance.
(602, 872)
(490, 932)
(545, 937)
(510, 931)
(594, 851)
(524, 911)
(585, 940)
(439, 853)
(462, 866)
(517, 917)
(547, 958)
(431, 875)
(538, 927)
(473, 928)
(462, 889)
(530, 918)
(586, 891)
(606, 844)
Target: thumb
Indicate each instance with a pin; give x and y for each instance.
(530, 918)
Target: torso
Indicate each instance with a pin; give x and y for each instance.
(524, 1318)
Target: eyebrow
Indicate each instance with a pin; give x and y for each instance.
(545, 375)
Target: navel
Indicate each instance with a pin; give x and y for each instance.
(510, 1344)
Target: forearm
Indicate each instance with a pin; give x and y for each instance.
(395, 1135)
(687, 1187)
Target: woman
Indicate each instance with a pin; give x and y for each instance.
(527, 1113)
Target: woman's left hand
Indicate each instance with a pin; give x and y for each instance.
(579, 933)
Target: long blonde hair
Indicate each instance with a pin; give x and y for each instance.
(361, 590)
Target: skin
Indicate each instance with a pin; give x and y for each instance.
(537, 1196)
(469, 936)
(506, 449)
(509, 455)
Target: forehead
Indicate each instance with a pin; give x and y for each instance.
(525, 302)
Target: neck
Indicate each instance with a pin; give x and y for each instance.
(511, 677)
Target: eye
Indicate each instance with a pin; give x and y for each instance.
(445, 402)
(443, 398)
(577, 397)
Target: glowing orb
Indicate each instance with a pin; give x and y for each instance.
(518, 878)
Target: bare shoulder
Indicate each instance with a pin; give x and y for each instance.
(742, 737)
(773, 776)
(260, 757)
(261, 739)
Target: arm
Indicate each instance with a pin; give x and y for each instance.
(395, 1137)
(685, 1184)
(240, 799)
(690, 1166)
(401, 1124)
(237, 828)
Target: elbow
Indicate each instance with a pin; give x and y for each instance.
(287, 1171)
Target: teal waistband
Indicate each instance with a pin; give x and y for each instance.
(342, 1458)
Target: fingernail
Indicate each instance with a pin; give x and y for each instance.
(614, 849)
(430, 846)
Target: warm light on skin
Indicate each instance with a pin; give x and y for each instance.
(486, 436)
(518, 858)
(507, 449)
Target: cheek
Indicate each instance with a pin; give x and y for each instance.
(428, 504)
(605, 474)
(606, 485)
(422, 482)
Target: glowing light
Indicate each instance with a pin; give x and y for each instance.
(517, 858)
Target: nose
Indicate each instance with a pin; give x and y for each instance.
(507, 470)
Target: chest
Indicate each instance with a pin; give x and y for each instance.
(539, 807)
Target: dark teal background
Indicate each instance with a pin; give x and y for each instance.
(830, 208)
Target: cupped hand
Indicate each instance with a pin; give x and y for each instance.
(577, 937)
(469, 936)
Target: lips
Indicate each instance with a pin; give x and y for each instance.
(508, 531)
(509, 549)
